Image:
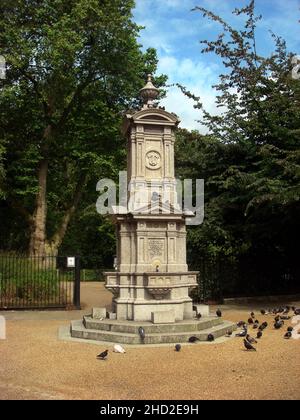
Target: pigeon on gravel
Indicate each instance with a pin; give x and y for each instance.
(290, 329)
(210, 338)
(228, 333)
(250, 321)
(286, 311)
(242, 333)
(103, 355)
(259, 335)
(119, 349)
(199, 316)
(288, 335)
(177, 347)
(255, 326)
(263, 326)
(248, 346)
(250, 339)
(263, 312)
(252, 315)
(240, 324)
(278, 325)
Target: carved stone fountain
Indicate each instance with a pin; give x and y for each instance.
(151, 284)
(152, 274)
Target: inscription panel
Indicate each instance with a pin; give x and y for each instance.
(156, 248)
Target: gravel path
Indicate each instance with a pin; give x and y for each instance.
(36, 365)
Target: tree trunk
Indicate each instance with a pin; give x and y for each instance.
(52, 246)
(38, 229)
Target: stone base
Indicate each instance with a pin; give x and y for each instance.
(99, 313)
(163, 317)
(137, 295)
(127, 332)
(201, 309)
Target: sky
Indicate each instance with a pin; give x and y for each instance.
(175, 31)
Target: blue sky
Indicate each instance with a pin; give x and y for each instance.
(175, 32)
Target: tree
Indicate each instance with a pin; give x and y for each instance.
(252, 192)
(72, 66)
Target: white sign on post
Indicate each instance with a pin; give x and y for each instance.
(71, 262)
(2, 328)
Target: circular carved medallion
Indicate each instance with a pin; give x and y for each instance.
(153, 160)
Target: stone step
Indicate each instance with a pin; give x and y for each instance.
(133, 327)
(78, 330)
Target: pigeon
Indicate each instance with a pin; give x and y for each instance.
(250, 339)
(277, 318)
(256, 322)
(263, 312)
(103, 355)
(199, 316)
(119, 349)
(278, 325)
(263, 326)
(297, 312)
(142, 333)
(193, 339)
(259, 335)
(285, 318)
(240, 324)
(286, 311)
(290, 329)
(219, 313)
(248, 346)
(252, 315)
(255, 326)
(177, 347)
(288, 335)
(228, 333)
(241, 333)
(250, 321)
(210, 338)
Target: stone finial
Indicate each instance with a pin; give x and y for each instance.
(149, 93)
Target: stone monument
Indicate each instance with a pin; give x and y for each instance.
(151, 283)
(152, 274)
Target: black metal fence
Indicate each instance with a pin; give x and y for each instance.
(223, 277)
(39, 282)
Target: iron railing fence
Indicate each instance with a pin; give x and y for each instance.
(38, 282)
(224, 277)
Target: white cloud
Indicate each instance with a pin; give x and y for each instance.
(174, 31)
(197, 77)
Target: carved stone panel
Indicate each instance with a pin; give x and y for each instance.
(156, 248)
(153, 159)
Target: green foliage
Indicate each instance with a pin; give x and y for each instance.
(73, 67)
(250, 160)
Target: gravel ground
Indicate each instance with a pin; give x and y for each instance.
(35, 365)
